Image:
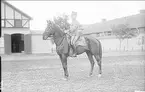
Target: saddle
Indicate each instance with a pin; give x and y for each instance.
(81, 41)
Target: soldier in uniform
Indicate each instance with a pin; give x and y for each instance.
(75, 31)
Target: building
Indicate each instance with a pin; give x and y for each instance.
(16, 34)
(103, 32)
(17, 37)
(15, 25)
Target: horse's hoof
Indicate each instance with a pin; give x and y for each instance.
(90, 75)
(64, 79)
(99, 75)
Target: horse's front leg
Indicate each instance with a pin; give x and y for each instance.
(64, 64)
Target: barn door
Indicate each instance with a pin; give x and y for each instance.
(27, 43)
(7, 43)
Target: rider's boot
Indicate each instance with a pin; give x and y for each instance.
(74, 51)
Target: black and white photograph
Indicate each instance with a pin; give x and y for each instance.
(72, 46)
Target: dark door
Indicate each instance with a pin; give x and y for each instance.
(27, 43)
(22, 42)
(7, 43)
(17, 43)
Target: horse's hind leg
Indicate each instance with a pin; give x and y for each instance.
(90, 56)
(98, 59)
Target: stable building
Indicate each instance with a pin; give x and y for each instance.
(103, 32)
(15, 27)
(16, 34)
(17, 37)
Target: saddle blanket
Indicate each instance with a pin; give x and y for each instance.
(81, 41)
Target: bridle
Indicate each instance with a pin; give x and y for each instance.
(50, 28)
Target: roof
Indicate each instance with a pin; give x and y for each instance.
(134, 21)
(17, 9)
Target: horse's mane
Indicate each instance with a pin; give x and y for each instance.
(57, 26)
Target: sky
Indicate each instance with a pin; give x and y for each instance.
(89, 12)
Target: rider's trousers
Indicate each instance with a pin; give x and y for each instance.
(74, 39)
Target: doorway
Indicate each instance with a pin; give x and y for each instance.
(17, 43)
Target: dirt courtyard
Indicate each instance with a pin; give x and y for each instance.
(120, 74)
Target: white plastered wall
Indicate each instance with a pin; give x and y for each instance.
(39, 45)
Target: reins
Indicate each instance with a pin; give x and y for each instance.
(64, 34)
(61, 40)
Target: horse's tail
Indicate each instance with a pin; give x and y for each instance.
(100, 49)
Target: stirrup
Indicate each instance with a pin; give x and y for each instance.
(74, 55)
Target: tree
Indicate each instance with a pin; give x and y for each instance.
(122, 31)
(62, 21)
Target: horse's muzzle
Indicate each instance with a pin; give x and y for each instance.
(44, 37)
(47, 38)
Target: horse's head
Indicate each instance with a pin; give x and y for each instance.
(49, 31)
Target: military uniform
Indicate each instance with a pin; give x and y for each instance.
(74, 31)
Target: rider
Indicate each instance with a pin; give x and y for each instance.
(75, 31)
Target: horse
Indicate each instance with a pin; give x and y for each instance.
(54, 32)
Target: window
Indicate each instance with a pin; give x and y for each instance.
(97, 34)
(18, 23)
(109, 33)
(101, 33)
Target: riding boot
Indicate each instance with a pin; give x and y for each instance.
(74, 51)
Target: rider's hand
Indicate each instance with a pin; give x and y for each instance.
(65, 31)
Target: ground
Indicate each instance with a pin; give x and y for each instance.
(120, 74)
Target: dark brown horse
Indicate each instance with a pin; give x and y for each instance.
(63, 47)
